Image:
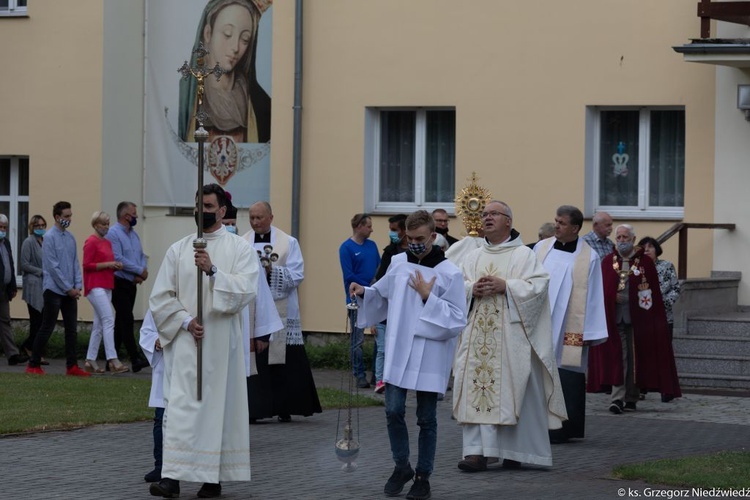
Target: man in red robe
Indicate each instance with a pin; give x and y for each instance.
(639, 353)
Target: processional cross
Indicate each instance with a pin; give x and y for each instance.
(200, 72)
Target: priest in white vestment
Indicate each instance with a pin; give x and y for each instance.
(205, 441)
(421, 296)
(578, 317)
(506, 387)
(284, 385)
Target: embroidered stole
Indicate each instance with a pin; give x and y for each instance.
(572, 352)
(277, 348)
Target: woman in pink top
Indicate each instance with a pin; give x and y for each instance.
(99, 267)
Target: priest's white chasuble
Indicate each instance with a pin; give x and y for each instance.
(507, 336)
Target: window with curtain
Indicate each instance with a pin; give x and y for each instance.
(636, 161)
(14, 201)
(412, 160)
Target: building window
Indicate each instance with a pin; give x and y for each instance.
(13, 8)
(635, 162)
(14, 200)
(410, 159)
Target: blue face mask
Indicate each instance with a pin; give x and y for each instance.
(2, 235)
(232, 229)
(39, 232)
(393, 235)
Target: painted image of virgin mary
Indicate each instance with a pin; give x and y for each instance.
(237, 106)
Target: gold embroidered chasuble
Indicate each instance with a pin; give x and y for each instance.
(503, 336)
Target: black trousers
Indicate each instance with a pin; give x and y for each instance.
(123, 300)
(55, 304)
(35, 322)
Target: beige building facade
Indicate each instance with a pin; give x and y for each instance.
(401, 102)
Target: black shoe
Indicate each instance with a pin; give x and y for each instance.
(138, 365)
(17, 359)
(362, 383)
(420, 490)
(153, 476)
(629, 406)
(511, 464)
(398, 479)
(166, 488)
(210, 490)
(616, 407)
(285, 418)
(666, 398)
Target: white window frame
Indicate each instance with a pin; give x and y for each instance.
(372, 161)
(593, 170)
(13, 199)
(14, 9)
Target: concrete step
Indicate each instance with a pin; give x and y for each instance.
(702, 380)
(735, 324)
(713, 364)
(711, 345)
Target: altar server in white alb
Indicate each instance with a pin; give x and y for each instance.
(422, 297)
(576, 297)
(506, 390)
(205, 441)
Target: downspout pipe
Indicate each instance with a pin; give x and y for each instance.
(297, 132)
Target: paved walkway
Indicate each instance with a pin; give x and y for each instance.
(297, 460)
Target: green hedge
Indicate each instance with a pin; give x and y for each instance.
(56, 344)
(334, 355)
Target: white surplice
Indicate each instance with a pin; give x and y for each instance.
(260, 318)
(560, 266)
(287, 274)
(421, 337)
(147, 340)
(208, 440)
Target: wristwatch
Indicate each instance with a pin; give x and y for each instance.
(212, 271)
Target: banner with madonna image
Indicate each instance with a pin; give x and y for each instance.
(237, 35)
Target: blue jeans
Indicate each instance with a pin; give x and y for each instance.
(398, 434)
(158, 438)
(358, 338)
(380, 353)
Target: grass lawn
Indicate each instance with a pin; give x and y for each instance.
(30, 403)
(725, 470)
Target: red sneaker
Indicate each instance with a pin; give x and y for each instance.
(35, 370)
(74, 371)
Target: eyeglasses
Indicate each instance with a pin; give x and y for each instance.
(493, 213)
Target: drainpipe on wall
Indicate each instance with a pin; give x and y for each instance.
(297, 132)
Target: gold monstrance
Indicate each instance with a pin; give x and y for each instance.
(200, 72)
(470, 203)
